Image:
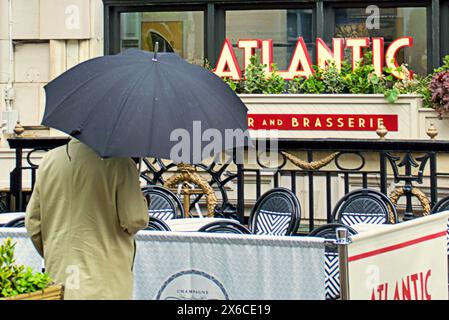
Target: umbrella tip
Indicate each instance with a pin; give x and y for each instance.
(156, 49)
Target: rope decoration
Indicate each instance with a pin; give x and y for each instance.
(314, 165)
(187, 174)
(424, 201)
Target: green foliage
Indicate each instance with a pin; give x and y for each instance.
(232, 83)
(275, 84)
(313, 84)
(15, 279)
(361, 80)
(444, 67)
(294, 86)
(333, 80)
(255, 77)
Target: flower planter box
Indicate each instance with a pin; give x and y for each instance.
(51, 293)
(340, 115)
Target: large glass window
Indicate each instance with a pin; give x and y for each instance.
(180, 32)
(282, 26)
(393, 23)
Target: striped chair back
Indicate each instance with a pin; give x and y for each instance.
(164, 204)
(331, 261)
(277, 213)
(364, 206)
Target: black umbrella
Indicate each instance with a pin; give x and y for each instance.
(128, 105)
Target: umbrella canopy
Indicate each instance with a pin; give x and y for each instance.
(128, 105)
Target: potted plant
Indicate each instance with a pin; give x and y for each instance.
(18, 282)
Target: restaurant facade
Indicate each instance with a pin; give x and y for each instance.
(50, 36)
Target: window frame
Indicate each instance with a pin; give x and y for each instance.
(273, 7)
(323, 22)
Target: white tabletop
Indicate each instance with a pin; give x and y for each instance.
(191, 224)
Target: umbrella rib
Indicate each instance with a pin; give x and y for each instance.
(121, 109)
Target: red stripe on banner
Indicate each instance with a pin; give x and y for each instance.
(322, 122)
(397, 246)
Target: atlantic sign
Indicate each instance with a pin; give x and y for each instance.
(319, 114)
(301, 64)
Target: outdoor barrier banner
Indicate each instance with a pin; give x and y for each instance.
(201, 266)
(406, 261)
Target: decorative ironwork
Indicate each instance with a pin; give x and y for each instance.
(424, 201)
(223, 178)
(407, 162)
(314, 165)
(278, 167)
(362, 164)
(188, 173)
(219, 175)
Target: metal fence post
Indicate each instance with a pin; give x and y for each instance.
(342, 243)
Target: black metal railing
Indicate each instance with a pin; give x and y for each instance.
(319, 164)
(403, 162)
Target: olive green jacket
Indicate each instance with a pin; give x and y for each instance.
(82, 217)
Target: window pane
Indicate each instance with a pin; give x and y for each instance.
(180, 32)
(282, 26)
(394, 23)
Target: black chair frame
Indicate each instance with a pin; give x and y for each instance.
(156, 224)
(441, 205)
(225, 227)
(290, 196)
(378, 197)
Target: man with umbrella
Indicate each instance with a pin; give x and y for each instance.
(87, 202)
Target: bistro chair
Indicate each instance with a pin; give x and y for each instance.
(156, 224)
(225, 227)
(164, 204)
(277, 212)
(331, 261)
(364, 206)
(16, 223)
(443, 205)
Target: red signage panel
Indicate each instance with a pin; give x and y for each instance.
(322, 122)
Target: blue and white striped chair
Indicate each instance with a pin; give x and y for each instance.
(277, 212)
(331, 268)
(164, 204)
(364, 206)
